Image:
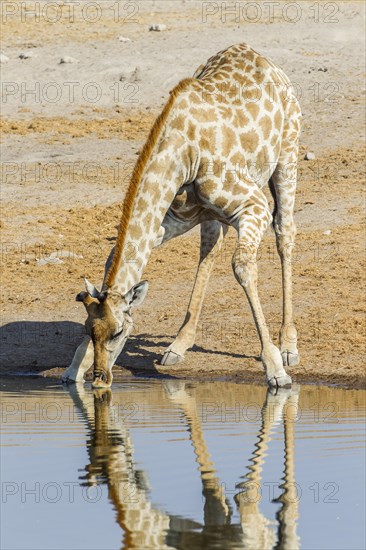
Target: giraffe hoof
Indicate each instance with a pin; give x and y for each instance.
(290, 359)
(280, 392)
(171, 358)
(283, 381)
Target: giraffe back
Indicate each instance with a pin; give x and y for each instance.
(242, 111)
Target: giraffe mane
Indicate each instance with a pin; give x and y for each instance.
(138, 171)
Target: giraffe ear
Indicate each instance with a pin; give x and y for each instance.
(91, 289)
(136, 295)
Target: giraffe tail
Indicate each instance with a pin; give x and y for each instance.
(274, 196)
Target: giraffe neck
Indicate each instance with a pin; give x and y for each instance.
(171, 166)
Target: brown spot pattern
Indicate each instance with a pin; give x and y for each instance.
(266, 124)
(229, 140)
(253, 110)
(249, 141)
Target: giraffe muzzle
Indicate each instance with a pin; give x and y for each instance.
(102, 379)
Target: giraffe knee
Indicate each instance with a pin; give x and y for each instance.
(244, 263)
(284, 228)
(285, 238)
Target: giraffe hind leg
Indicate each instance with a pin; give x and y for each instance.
(250, 227)
(283, 189)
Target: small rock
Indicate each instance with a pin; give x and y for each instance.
(323, 69)
(327, 232)
(68, 59)
(157, 27)
(309, 156)
(26, 55)
(3, 58)
(124, 39)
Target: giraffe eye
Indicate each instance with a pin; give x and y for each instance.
(115, 336)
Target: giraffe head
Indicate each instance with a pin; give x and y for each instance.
(109, 324)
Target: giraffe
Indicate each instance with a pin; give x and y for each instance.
(111, 461)
(222, 136)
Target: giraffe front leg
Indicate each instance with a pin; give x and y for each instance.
(251, 226)
(212, 236)
(81, 362)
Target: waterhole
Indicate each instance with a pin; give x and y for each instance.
(181, 464)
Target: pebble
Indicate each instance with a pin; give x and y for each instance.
(26, 55)
(3, 58)
(321, 69)
(309, 156)
(327, 232)
(68, 59)
(124, 39)
(157, 27)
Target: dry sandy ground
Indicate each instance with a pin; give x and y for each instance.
(67, 156)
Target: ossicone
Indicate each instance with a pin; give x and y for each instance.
(91, 294)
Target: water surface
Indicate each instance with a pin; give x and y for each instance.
(180, 464)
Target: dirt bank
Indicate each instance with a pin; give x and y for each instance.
(66, 165)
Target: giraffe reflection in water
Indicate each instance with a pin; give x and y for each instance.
(110, 453)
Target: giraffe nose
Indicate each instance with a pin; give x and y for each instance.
(102, 379)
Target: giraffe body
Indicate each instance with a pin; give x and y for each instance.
(223, 135)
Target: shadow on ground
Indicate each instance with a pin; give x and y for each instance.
(31, 347)
(34, 345)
